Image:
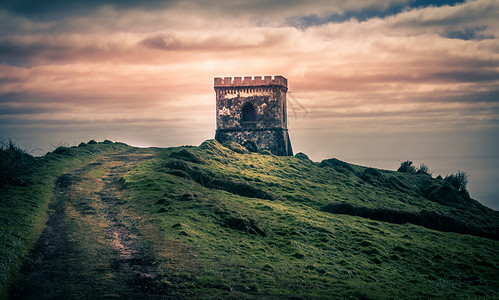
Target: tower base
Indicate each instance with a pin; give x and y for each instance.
(275, 140)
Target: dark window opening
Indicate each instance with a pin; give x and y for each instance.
(249, 113)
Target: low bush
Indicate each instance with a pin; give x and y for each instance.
(458, 180)
(15, 165)
(406, 167)
(423, 169)
(61, 150)
(446, 194)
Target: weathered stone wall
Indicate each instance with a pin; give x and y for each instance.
(267, 128)
(276, 141)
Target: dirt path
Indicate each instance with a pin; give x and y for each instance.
(93, 246)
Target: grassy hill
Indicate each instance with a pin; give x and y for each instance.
(219, 222)
(26, 184)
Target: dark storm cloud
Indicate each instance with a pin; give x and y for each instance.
(12, 110)
(60, 8)
(19, 104)
(469, 33)
(19, 53)
(490, 96)
(463, 76)
(442, 114)
(299, 13)
(29, 51)
(365, 82)
(365, 13)
(13, 120)
(449, 19)
(222, 41)
(10, 97)
(162, 42)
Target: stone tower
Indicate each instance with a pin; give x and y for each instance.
(252, 112)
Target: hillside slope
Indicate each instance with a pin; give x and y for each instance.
(217, 222)
(265, 225)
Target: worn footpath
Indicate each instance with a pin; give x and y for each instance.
(95, 245)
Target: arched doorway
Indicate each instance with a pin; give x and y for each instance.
(248, 113)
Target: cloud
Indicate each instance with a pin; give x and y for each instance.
(215, 13)
(444, 20)
(469, 33)
(162, 42)
(378, 10)
(59, 8)
(396, 61)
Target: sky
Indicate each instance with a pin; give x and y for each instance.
(371, 82)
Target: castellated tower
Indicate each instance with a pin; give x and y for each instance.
(252, 112)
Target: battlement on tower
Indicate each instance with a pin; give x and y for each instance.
(251, 81)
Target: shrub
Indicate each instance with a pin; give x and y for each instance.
(446, 194)
(423, 169)
(406, 167)
(458, 180)
(63, 151)
(15, 164)
(92, 142)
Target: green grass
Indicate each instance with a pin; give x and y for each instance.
(288, 247)
(228, 224)
(23, 207)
